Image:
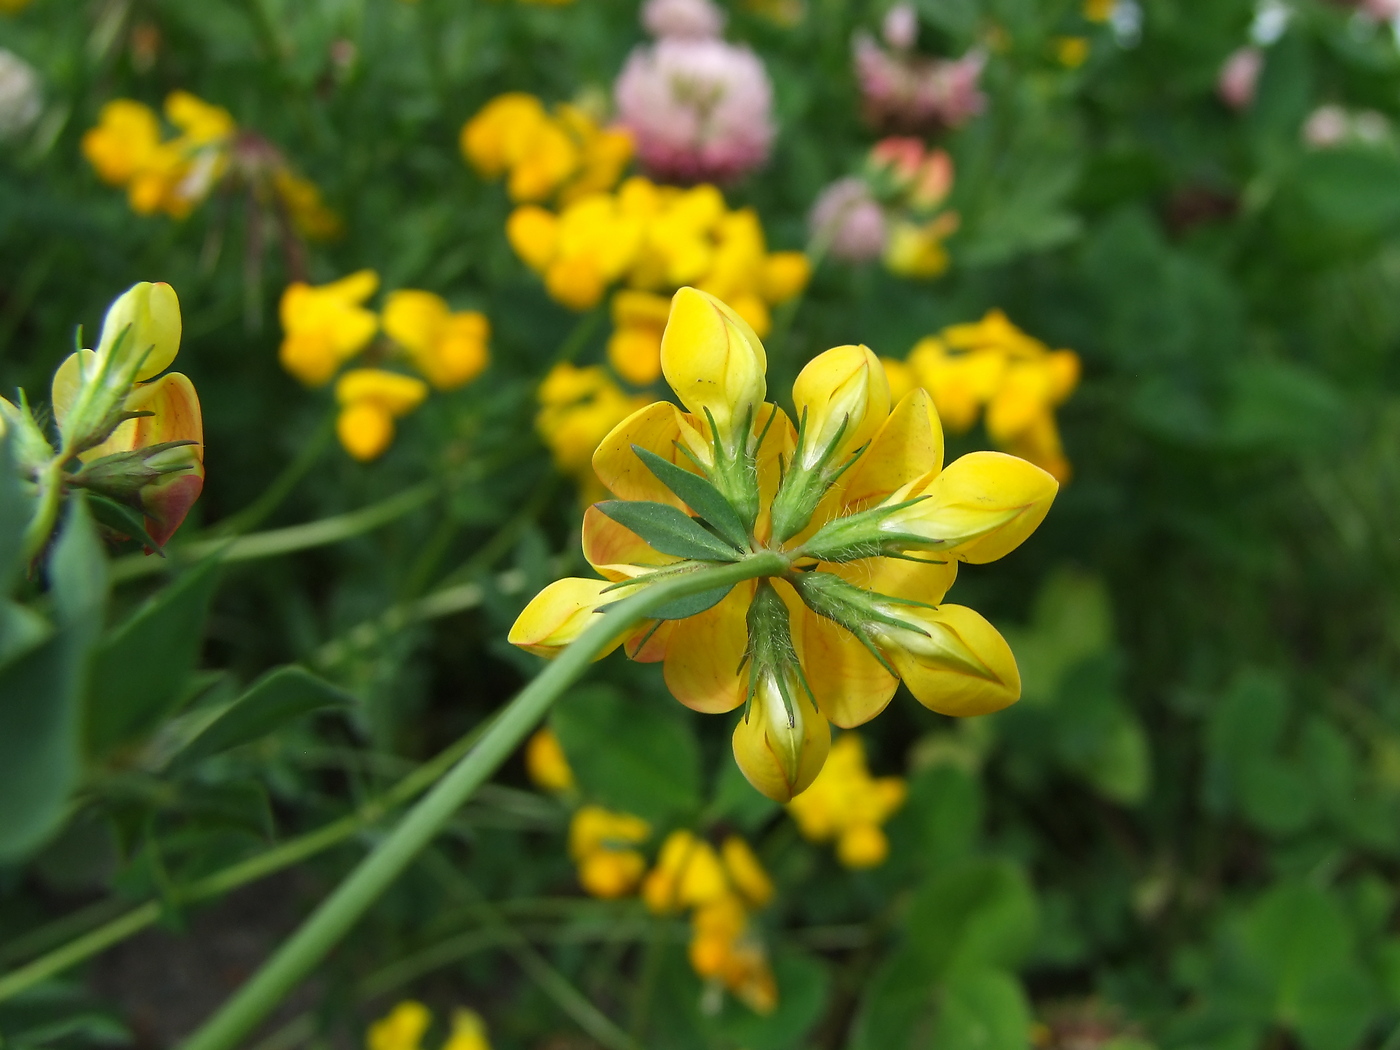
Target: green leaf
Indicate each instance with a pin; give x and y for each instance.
(40, 738)
(692, 605)
(278, 697)
(121, 519)
(1299, 941)
(983, 1010)
(15, 509)
(699, 494)
(140, 668)
(636, 756)
(78, 568)
(669, 530)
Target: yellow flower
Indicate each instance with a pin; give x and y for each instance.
(370, 400)
(306, 209)
(916, 249)
(402, 1029)
(1099, 10)
(900, 377)
(634, 349)
(448, 348)
(468, 1032)
(828, 638)
(540, 154)
(547, 764)
(1019, 381)
(602, 845)
(688, 873)
(171, 175)
(92, 388)
(847, 804)
(1071, 51)
(578, 408)
(326, 325)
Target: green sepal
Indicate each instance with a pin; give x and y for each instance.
(121, 519)
(692, 605)
(669, 530)
(699, 494)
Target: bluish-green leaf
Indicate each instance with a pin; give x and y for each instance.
(699, 494)
(275, 699)
(140, 668)
(669, 530)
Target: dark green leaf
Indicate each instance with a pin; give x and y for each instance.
(140, 668)
(669, 530)
(272, 701)
(699, 494)
(692, 605)
(15, 508)
(120, 519)
(638, 756)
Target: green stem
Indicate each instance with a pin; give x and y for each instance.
(294, 538)
(276, 859)
(301, 953)
(46, 513)
(253, 515)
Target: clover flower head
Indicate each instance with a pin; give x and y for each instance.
(855, 504)
(847, 216)
(1239, 77)
(698, 109)
(21, 94)
(688, 19)
(902, 91)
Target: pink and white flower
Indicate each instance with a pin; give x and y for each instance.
(906, 92)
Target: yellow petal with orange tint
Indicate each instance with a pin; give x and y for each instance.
(702, 661)
(850, 684)
(655, 428)
(607, 544)
(908, 446)
(559, 614)
(960, 665)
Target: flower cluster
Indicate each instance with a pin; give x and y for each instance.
(721, 888)
(579, 407)
(135, 436)
(326, 326)
(654, 239)
(404, 1027)
(846, 804)
(698, 107)
(862, 526)
(905, 91)
(992, 367)
(894, 209)
(173, 175)
(542, 155)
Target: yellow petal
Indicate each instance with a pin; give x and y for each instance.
(393, 392)
(615, 550)
(702, 660)
(559, 614)
(862, 846)
(402, 1029)
(546, 763)
(785, 274)
(746, 873)
(365, 430)
(850, 684)
(534, 234)
(908, 446)
(468, 1032)
(960, 666)
(925, 581)
(901, 377)
(714, 362)
(979, 509)
(414, 318)
(149, 315)
(688, 874)
(778, 756)
(68, 380)
(841, 392)
(655, 428)
(635, 354)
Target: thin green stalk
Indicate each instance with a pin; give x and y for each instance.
(577, 339)
(304, 950)
(253, 515)
(263, 864)
(46, 513)
(275, 542)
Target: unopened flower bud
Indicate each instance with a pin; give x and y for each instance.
(715, 363)
(782, 741)
(842, 396)
(148, 316)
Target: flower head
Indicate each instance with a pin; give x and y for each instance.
(902, 91)
(1239, 77)
(579, 407)
(698, 109)
(448, 348)
(858, 506)
(690, 19)
(21, 95)
(603, 845)
(404, 1027)
(370, 400)
(325, 325)
(848, 805)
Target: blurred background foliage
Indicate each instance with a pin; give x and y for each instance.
(1187, 834)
